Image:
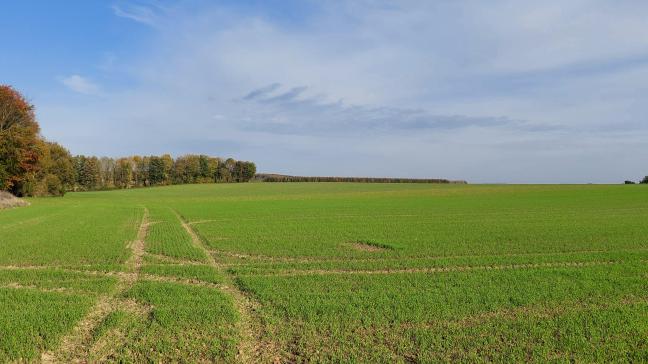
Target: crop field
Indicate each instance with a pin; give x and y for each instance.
(327, 272)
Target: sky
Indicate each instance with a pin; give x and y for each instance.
(487, 91)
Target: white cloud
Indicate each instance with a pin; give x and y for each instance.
(80, 84)
(461, 89)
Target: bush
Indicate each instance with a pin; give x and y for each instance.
(54, 186)
(50, 185)
(629, 182)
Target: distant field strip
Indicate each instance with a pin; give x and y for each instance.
(327, 272)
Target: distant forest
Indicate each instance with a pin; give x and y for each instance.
(33, 166)
(263, 177)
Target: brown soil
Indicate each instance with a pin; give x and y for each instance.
(367, 247)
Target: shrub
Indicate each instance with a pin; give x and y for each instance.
(53, 185)
(48, 185)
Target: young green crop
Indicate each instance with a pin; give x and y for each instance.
(167, 237)
(336, 308)
(31, 321)
(194, 324)
(329, 272)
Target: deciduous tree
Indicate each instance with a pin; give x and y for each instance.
(20, 144)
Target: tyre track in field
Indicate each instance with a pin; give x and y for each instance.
(296, 272)
(252, 347)
(259, 259)
(43, 289)
(149, 277)
(172, 260)
(76, 346)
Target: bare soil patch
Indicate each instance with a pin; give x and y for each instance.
(369, 246)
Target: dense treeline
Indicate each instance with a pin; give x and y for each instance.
(92, 173)
(283, 178)
(33, 166)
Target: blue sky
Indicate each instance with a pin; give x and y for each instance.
(498, 91)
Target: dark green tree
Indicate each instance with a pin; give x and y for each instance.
(156, 171)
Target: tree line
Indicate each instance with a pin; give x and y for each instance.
(32, 166)
(263, 177)
(92, 173)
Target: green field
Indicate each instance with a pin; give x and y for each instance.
(328, 272)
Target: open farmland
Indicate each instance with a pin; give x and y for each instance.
(327, 272)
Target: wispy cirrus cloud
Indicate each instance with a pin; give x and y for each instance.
(137, 12)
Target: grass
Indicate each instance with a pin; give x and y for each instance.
(331, 272)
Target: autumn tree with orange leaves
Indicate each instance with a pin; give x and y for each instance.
(20, 142)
